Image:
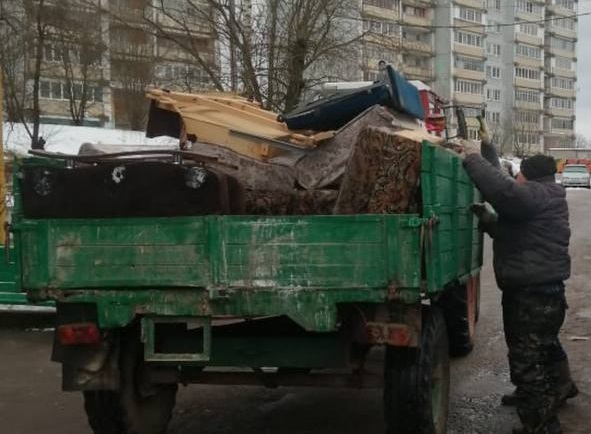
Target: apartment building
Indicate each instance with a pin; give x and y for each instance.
(561, 74)
(461, 53)
(399, 32)
(521, 66)
(129, 57)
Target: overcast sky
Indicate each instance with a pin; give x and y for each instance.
(584, 72)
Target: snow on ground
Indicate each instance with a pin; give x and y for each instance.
(67, 139)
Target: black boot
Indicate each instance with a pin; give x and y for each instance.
(512, 399)
(550, 427)
(565, 386)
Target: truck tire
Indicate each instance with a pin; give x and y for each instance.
(416, 381)
(460, 305)
(127, 411)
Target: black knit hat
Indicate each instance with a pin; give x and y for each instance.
(537, 167)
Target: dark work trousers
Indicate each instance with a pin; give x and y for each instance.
(532, 319)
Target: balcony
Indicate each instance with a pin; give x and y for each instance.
(127, 14)
(527, 16)
(419, 3)
(564, 32)
(417, 47)
(528, 61)
(530, 84)
(418, 73)
(475, 4)
(554, 51)
(414, 20)
(470, 26)
(468, 98)
(469, 50)
(469, 74)
(560, 92)
(527, 105)
(558, 131)
(562, 113)
(558, 10)
(529, 39)
(560, 72)
(381, 13)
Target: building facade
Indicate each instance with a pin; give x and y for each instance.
(399, 32)
(517, 59)
(134, 45)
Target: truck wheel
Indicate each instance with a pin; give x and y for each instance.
(129, 411)
(460, 305)
(416, 383)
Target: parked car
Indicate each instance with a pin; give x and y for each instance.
(576, 175)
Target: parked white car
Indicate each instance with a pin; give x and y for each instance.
(576, 175)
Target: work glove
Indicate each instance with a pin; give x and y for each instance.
(465, 147)
(485, 212)
(483, 132)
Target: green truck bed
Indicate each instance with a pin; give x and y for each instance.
(245, 265)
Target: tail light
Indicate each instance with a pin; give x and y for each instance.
(78, 334)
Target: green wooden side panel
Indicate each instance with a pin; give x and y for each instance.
(320, 252)
(453, 243)
(222, 252)
(113, 253)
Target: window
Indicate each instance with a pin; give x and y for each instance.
(493, 72)
(564, 63)
(529, 7)
(469, 63)
(56, 91)
(414, 11)
(51, 53)
(473, 134)
(380, 27)
(493, 94)
(493, 4)
(563, 123)
(566, 4)
(493, 117)
(493, 49)
(528, 51)
(468, 14)
(53, 89)
(562, 44)
(528, 138)
(384, 4)
(469, 86)
(562, 103)
(529, 29)
(527, 117)
(528, 73)
(44, 89)
(563, 83)
(466, 38)
(527, 95)
(566, 23)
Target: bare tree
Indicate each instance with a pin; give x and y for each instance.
(80, 48)
(25, 27)
(515, 137)
(581, 141)
(274, 48)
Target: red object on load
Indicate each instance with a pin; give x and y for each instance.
(78, 334)
(435, 120)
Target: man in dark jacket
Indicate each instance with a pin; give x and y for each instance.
(531, 261)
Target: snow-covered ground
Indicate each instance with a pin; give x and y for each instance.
(67, 139)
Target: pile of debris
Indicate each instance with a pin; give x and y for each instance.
(355, 153)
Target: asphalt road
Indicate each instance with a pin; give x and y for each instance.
(31, 400)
